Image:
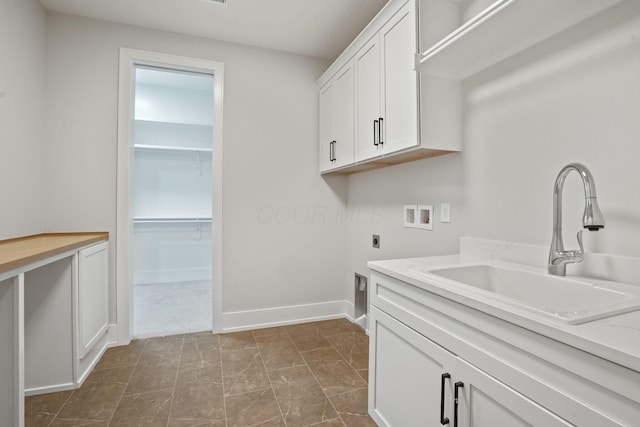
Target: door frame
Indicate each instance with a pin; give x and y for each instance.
(129, 58)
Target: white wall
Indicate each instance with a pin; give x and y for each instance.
(575, 98)
(376, 200)
(270, 158)
(22, 44)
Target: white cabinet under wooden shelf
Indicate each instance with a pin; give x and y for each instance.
(92, 294)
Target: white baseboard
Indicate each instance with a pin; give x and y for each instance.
(280, 316)
(171, 276)
(49, 389)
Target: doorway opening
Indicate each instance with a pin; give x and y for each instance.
(169, 195)
(171, 201)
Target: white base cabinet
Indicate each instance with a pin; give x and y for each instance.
(435, 362)
(66, 319)
(417, 383)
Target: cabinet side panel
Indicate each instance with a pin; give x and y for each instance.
(7, 358)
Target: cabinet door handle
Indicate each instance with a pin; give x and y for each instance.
(375, 127)
(458, 385)
(380, 141)
(333, 151)
(443, 420)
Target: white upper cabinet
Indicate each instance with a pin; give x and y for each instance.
(400, 90)
(387, 88)
(344, 112)
(386, 103)
(327, 129)
(368, 100)
(336, 134)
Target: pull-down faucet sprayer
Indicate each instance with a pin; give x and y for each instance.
(592, 220)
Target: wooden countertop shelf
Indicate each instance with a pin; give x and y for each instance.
(21, 251)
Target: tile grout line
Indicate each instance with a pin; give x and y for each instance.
(60, 409)
(129, 379)
(175, 381)
(316, 378)
(269, 378)
(224, 393)
(119, 399)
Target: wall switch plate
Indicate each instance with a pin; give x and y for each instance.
(375, 241)
(445, 212)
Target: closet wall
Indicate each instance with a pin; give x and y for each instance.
(172, 181)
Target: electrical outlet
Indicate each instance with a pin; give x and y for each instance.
(375, 241)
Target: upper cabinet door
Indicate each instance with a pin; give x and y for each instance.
(327, 131)
(368, 100)
(398, 47)
(343, 148)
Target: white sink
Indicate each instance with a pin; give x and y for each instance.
(572, 300)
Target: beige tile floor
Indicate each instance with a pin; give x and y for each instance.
(313, 374)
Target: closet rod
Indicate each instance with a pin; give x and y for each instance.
(170, 220)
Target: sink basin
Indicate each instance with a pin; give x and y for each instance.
(572, 300)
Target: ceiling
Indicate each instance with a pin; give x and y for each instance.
(319, 28)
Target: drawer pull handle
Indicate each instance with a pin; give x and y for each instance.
(456, 387)
(375, 127)
(443, 419)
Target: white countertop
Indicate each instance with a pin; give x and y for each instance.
(615, 338)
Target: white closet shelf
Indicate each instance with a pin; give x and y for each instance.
(170, 148)
(167, 123)
(158, 220)
(504, 29)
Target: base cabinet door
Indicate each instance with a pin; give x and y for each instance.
(406, 375)
(415, 382)
(92, 297)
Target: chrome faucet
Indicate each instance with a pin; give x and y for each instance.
(592, 220)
